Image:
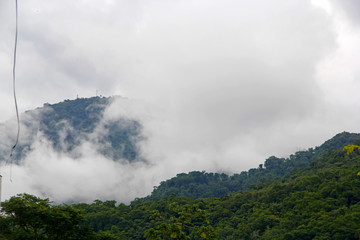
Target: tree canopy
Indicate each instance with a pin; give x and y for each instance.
(29, 217)
(318, 201)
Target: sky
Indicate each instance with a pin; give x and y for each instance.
(218, 85)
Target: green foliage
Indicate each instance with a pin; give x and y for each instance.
(351, 148)
(182, 224)
(28, 217)
(105, 235)
(202, 185)
(320, 201)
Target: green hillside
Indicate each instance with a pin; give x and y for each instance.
(318, 201)
(202, 184)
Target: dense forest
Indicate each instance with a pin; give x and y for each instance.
(316, 200)
(201, 184)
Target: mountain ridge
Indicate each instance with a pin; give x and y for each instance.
(202, 184)
(319, 201)
(66, 124)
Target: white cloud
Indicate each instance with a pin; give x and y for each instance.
(226, 83)
(62, 178)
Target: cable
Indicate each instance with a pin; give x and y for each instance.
(14, 90)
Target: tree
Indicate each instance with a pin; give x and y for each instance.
(29, 217)
(273, 163)
(181, 225)
(351, 148)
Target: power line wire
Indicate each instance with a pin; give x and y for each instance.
(14, 90)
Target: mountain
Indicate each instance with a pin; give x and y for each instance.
(202, 184)
(319, 201)
(312, 194)
(66, 125)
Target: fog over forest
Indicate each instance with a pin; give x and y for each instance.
(216, 85)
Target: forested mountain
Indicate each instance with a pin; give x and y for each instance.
(69, 123)
(312, 194)
(202, 184)
(319, 201)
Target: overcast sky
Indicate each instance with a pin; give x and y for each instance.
(218, 85)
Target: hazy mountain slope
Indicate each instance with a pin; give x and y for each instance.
(320, 201)
(68, 124)
(201, 184)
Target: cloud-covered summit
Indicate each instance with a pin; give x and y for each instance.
(220, 85)
(67, 125)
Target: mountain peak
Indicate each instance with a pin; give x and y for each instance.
(67, 124)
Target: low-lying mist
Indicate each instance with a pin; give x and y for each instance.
(171, 142)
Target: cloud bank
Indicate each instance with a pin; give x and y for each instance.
(221, 85)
